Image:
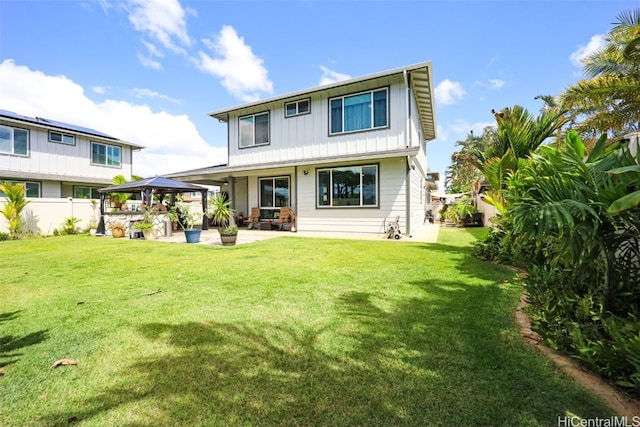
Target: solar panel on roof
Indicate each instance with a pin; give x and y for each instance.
(53, 123)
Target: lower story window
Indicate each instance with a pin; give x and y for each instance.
(32, 188)
(351, 186)
(80, 192)
(274, 192)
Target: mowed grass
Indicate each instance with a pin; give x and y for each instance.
(289, 331)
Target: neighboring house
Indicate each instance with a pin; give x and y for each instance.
(59, 160)
(347, 156)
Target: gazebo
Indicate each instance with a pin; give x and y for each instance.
(148, 188)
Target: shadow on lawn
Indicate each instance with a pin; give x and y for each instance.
(11, 343)
(450, 357)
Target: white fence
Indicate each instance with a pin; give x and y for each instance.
(489, 211)
(43, 215)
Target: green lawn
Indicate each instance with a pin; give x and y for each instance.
(288, 331)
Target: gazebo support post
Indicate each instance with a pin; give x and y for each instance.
(205, 220)
(101, 227)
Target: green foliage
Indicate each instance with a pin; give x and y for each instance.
(222, 213)
(15, 204)
(4, 236)
(69, 225)
(608, 99)
(119, 198)
(184, 216)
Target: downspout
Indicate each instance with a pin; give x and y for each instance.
(408, 144)
(408, 196)
(294, 204)
(405, 75)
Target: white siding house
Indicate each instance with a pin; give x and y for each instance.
(347, 156)
(57, 159)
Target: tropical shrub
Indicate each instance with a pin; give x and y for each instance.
(15, 204)
(585, 294)
(69, 225)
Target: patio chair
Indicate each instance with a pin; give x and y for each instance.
(254, 219)
(285, 217)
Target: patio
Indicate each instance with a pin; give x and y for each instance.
(427, 233)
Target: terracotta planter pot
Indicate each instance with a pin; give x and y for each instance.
(117, 233)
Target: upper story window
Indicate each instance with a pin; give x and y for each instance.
(362, 111)
(14, 140)
(62, 138)
(254, 130)
(297, 108)
(105, 155)
(350, 186)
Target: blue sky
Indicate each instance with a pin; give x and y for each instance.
(148, 71)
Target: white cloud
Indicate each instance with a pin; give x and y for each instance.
(243, 73)
(148, 62)
(163, 21)
(329, 76)
(148, 93)
(596, 43)
(496, 83)
(100, 89)
(172, 141)
(448, 92)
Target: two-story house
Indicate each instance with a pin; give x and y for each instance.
(60, 160)
(346, 156)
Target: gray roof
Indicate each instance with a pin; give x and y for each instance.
(158, 183)
(421, 83)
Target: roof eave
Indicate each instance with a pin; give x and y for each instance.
(223, 114)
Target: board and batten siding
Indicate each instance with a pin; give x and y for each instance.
(306, 137)
(46, 157)
(392, 202)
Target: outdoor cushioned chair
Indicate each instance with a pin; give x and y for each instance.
(254, 219)
(285, 217)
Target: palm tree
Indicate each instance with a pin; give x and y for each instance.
(518, 134)
(610, 97)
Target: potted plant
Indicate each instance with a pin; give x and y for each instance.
(461, 211)
(148, 224)
(186, 218)
(117, 229)
(224, 216)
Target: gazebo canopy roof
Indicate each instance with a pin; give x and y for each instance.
(159, 184)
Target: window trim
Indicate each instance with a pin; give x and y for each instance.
(349, 95)
(91, 190)
(13, 141)
(330, 193)
(62, 136)
(273, 179)
(106, 164)
(297, 113)
(268, 114)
